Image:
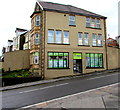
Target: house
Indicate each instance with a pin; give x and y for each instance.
(19, 40)
(66, 40)
(26, 45)
(111, 42)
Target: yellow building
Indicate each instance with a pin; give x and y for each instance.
(66, 40)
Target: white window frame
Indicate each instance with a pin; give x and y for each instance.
(59, 37)
(80, 39)
(98, 23)
(87, 21)
(36, 58)
(64, 37)
(100, 44)
(94, 39)
(86, 38)
(37, 38)
(38, 20)
(49, 37)
(71, 19)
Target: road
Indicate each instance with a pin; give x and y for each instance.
(22, 97)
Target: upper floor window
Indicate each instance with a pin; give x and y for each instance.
(99, 40)
(66, 37)
(37, 38)
(98, 23)
(94, 43)
(37, 20)
(80, 38)
(86, 39)
(93, 23)
(58, 36)
(50, 36)
(71, 20)
(87, 22)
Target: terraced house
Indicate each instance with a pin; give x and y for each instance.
(66, 40)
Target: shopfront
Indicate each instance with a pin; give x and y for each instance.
(77, 62)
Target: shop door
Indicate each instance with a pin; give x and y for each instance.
(77, 62)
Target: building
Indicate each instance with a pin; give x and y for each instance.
(112, 42)
(19, 40)
(66, 40)
(27, 40)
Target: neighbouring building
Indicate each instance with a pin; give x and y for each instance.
(112, 42)
(27, 41)
(66, 40)
(19, 40)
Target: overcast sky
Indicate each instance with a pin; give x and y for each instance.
(16, 13)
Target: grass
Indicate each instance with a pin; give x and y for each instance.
(15, 74)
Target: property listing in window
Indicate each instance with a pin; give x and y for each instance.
(58, 59)
(94, 60)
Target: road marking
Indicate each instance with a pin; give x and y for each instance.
(61, 84)
(43, 88)
(29, 91)
(100, 77)
(67, 96)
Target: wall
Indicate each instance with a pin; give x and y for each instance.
(57, 21)
(113, 58)
(16, 60)
(1, 63)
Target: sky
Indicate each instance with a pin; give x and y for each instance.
(16, 14)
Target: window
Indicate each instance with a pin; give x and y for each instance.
(71, 20)
(59, 37)
(58, 59)
(98, 23)
(37, 38)
(36, 57)
(50, 36)
(99, 40)
(94, 60)
(87, 22)
(94, 43)
(37, 20)
(86, 41)
(80, 38)
(66, 37)
(93, 23)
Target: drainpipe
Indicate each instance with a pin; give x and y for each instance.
(106, 43)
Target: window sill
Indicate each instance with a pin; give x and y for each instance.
(94, 67)
(72, 25)
(94, 28)
(85, 45)
(97, 46)
(58, 68)
(57, 44)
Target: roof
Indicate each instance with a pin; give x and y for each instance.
(10, 40)
(49, 6)
(19, 29)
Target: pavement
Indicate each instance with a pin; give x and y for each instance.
(55, 80)
(106, 98)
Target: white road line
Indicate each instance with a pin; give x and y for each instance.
(29, 90)
(62, 84)
(67, 96)
(100, 77)
(44, 88)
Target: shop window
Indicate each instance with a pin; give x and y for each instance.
(58, 59)
(94, 60)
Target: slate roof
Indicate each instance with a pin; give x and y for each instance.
(49, 6)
